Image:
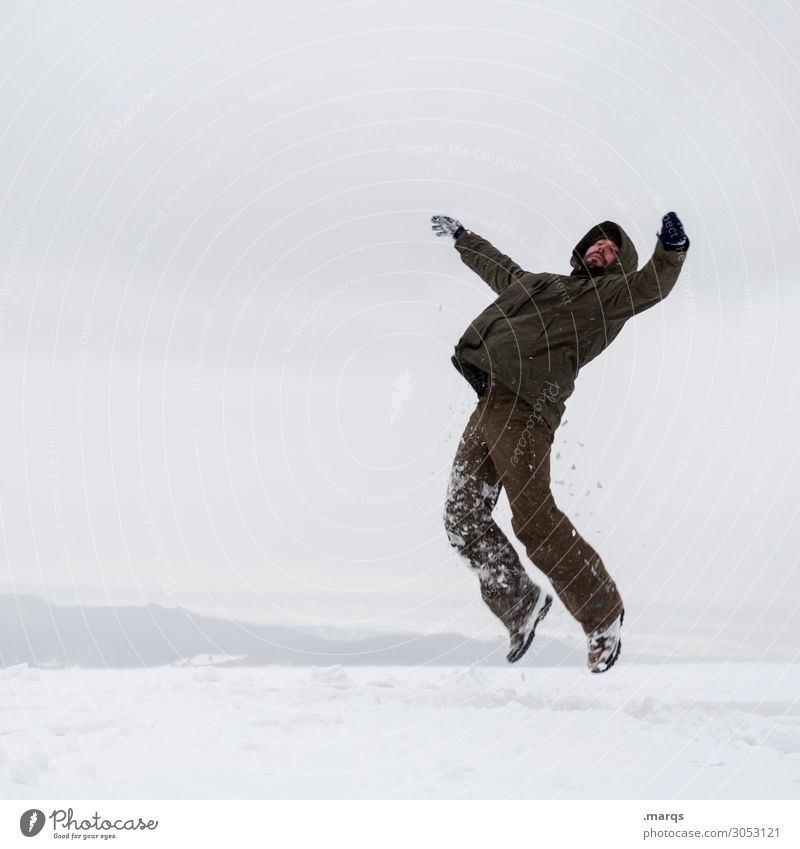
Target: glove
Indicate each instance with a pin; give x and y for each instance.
(442, 225)
(672, 235)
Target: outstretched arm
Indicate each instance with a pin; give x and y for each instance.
(623, 297)
(495, 268)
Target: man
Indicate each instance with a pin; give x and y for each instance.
(522, 355)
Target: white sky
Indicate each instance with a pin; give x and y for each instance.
(217, 263)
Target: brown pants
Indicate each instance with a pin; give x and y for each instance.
(506, 444)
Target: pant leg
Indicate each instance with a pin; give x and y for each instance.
(472, 493)
(519, 446)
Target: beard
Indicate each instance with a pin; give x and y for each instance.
(591, 267)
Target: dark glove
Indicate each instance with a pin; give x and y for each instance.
(442, 225)
(672, 235)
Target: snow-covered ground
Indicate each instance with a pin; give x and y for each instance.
(712, 730)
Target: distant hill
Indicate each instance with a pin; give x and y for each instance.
(42, 634)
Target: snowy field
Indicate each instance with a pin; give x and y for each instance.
(713, 730)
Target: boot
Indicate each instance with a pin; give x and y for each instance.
(520, 614)
(605, 645)
(522, 639)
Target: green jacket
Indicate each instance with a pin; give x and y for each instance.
(543, 328)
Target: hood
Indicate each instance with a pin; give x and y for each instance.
(627, 261)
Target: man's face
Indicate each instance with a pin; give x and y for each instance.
(601, 254)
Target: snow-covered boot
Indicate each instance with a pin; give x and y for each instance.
(522, 638)
(519, 604)
(605, 645)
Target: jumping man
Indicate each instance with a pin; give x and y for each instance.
(522, 355)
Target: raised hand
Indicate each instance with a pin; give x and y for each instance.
(672, 234)
(443, 225)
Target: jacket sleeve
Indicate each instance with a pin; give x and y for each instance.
(496, 269)
(622, 296)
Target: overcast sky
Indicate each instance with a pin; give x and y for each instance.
(226, 328)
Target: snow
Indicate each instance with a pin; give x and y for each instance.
(640, 731)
